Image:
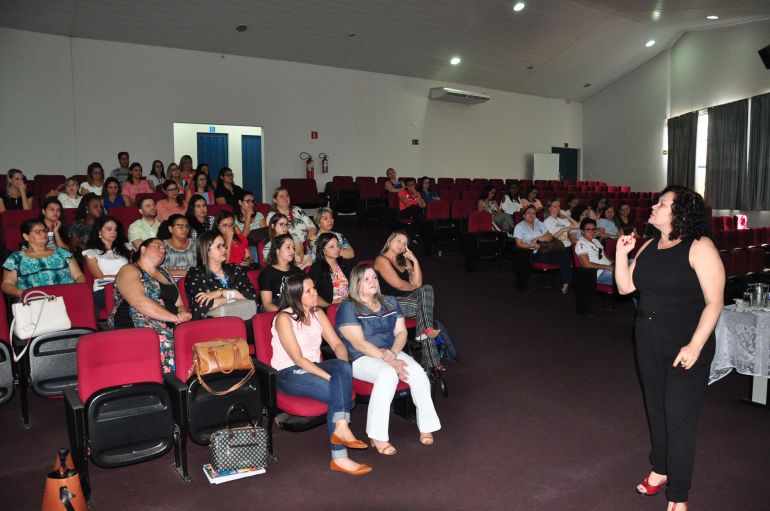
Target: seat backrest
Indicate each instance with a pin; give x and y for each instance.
(4, 327)
(392, 200)
(117, 357)
(44, 183)
(471, 195)
(216, 208)
(461, 208)
(369, 190)
(449, 195)
(756, 259)
(262, 323)
(187, 334)
(126, 216)
(11, 222)
(253, 276)
(480, 180)
(261, 255)
(364, 179)
(261, 207)
(340, 183)
(465, 181)
(740, 257)
(445, 181)
(479, 221)
(79, 301)
(331, 313)
(183, 292)
(437, 209)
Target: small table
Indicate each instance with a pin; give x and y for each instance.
(743, 344)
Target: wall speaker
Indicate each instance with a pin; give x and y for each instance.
(764, 53)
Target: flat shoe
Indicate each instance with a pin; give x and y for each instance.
(431, 332)
(350, 444)
(361, 470)
(426, 439)
(388, 450)
(649, 489)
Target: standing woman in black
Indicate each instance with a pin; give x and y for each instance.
(680, 279)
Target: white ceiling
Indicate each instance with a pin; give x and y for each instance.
(568, 43)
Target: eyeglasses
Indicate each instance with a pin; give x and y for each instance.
(159, 246)
(282, 224)
(181, 226)
(219, 246)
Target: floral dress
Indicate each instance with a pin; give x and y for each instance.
(155, 291)
(40, 271)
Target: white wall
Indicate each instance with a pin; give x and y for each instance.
(106, 97)
(624, 124)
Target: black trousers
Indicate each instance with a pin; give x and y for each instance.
(673, 397)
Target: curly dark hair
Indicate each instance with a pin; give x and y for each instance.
(689, 217)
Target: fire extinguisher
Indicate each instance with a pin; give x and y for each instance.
(324, 163)
(309, 165)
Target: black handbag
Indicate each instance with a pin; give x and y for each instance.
(236, 448)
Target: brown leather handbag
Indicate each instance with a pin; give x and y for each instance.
(62, 488)
(222, 356)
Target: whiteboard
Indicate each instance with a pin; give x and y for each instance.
(546, 166)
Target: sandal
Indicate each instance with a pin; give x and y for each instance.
(426, 438)
(388, 450)
(649, 489)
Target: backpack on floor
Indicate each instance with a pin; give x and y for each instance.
(446, 348)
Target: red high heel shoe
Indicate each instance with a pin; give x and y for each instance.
(649, 489)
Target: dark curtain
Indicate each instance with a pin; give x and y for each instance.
(682, 137)
(755, 189)
(726, 154)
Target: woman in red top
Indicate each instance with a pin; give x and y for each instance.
(410, 203)
(237, 245)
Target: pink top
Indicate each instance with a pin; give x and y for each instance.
(131, 190)
(308, 337)
(165, 209)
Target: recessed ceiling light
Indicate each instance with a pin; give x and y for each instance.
(519, 6)
(455, 60)
(649, 43)
(712, 17)
(241, 28)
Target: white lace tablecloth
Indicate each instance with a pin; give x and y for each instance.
(743, 343)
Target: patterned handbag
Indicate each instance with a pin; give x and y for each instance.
(236, 448)
(244, 309)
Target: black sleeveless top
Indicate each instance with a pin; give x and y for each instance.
(666, 282)
(389, 290)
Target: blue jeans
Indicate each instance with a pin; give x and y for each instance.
(563, 259)
(606, 277)
(335, 393)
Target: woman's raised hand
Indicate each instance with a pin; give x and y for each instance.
(625, 245)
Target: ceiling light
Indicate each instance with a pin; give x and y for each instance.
(455, 60)
(649, 43)
(518, 6)
(712, 17)
(241, 28)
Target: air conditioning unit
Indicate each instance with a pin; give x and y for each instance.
(458, 96)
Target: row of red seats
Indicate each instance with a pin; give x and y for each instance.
(743, 261)
(745, 238)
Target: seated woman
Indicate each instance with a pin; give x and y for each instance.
(597, 205)
(201, 185)
(297, 334)
(135, 183)
(278, 225)
(227, 192)
(157, 174)
(329, 277)
(214, 281)
(410, 204)
(324, 219)
(301, 227)
(15, 195)
(68, 193)
(146, 296)
(198, 216)
(175, 175)
(107, 253)
(94, 180)
(529, 233)
(279, 267)
(111, 195)
(173, 203)
(488, 202)
(624, 220)
(570, 202)
(237, 245)
(393, 184)
(592, 255)
(181, 251)
(577, 214)
(401, 276)
(51, 216)
(511, 200)
(88, 212)
(37, 265)
(426, 190)
(560, 225)
(532, 199)
(376, 347)
(606, 224)
(247, 219)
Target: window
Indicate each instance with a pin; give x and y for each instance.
(700, 151)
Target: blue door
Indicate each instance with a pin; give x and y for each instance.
(569, 162)
(212, 150)
(252, 165)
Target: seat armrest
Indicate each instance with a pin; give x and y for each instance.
(267, 385)
(74, 411)
(177, 389)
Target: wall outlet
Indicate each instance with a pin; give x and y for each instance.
(415, 141)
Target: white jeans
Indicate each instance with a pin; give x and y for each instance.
(385, 379)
